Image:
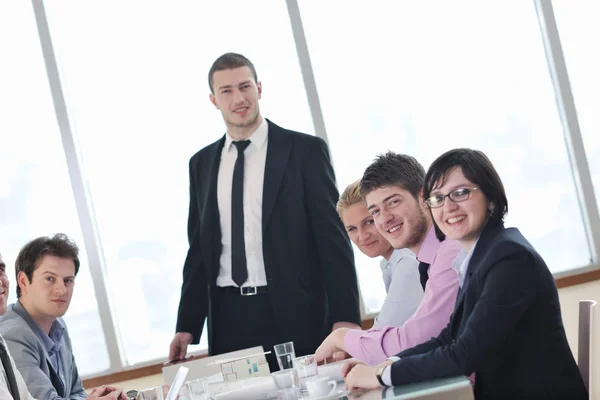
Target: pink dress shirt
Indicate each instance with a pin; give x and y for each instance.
(432, 315)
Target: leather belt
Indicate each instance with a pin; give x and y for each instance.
(242, 291)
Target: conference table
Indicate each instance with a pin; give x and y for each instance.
(455, 388)
(262, 386)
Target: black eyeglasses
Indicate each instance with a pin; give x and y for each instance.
(457, 195)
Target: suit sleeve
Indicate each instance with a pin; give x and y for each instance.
(77, 390)
(333, 245)
(193, 304)
(431, 344)
(27, 359)
(503, 301)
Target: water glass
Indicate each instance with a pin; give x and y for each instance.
(198, 389)
(153, 393)
(292, 393)
(286, 378)
(306, 367)
(285, 355)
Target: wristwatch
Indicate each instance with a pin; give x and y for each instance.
(378, 375)
(132, 394)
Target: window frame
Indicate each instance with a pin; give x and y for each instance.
(578, 162)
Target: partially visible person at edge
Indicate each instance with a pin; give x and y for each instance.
(12, 385)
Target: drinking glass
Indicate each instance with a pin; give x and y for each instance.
(198, 389)
(285, 355)
(306, 366)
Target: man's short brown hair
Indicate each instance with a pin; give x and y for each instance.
(230, 61)
(32, 253)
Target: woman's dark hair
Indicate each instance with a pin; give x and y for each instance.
(477, 168)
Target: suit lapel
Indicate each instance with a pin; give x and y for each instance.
(278, 153)
(58, 384)
(487, 236)
(211, 228)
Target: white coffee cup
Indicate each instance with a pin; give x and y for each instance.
(321, 387)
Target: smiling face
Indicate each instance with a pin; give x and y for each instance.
(3, 287)
(399, 217)
(362, 231)
(236, 95)
(462, 221)
(49, 293)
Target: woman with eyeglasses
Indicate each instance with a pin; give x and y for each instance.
(506, 331)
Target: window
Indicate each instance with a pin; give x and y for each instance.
(579, 30)
(135, 77)
(35, 193)
(413, 78)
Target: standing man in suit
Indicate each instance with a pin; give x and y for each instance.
(269, 261)
(33, 330)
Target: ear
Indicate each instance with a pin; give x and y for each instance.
(422, 203)
(491, 209)
(22, 280)
(259, 87)
(213, 100)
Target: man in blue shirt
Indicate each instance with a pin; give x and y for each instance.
(33, 329)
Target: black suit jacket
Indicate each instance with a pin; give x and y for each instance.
(506, 327)
(308, 258)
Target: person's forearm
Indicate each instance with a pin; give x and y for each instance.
(344, 325)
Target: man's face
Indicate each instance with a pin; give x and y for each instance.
(399, 217)
(49, 293)
(236, 95)
(3, 287)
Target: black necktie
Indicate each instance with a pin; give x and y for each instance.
(423, 267)
(10, 373)
(239, 271)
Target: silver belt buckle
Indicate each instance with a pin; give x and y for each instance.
(248, 291)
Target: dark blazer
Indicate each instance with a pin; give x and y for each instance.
(32, 360)
(506, 327)
(308, 258)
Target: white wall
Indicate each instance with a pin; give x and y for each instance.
(569, 302)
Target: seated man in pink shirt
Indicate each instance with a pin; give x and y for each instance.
(392, 188)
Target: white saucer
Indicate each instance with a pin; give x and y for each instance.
(333, 396)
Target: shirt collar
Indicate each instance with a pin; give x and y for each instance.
(52, 341)
(429, 247)
(257, 139)
(462, 268)
(396, 256)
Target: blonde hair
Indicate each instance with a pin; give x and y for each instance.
(350, 196)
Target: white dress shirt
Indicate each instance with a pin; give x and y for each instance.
(403, 286)
(255, 157)
(461, 263)
(21, 387)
